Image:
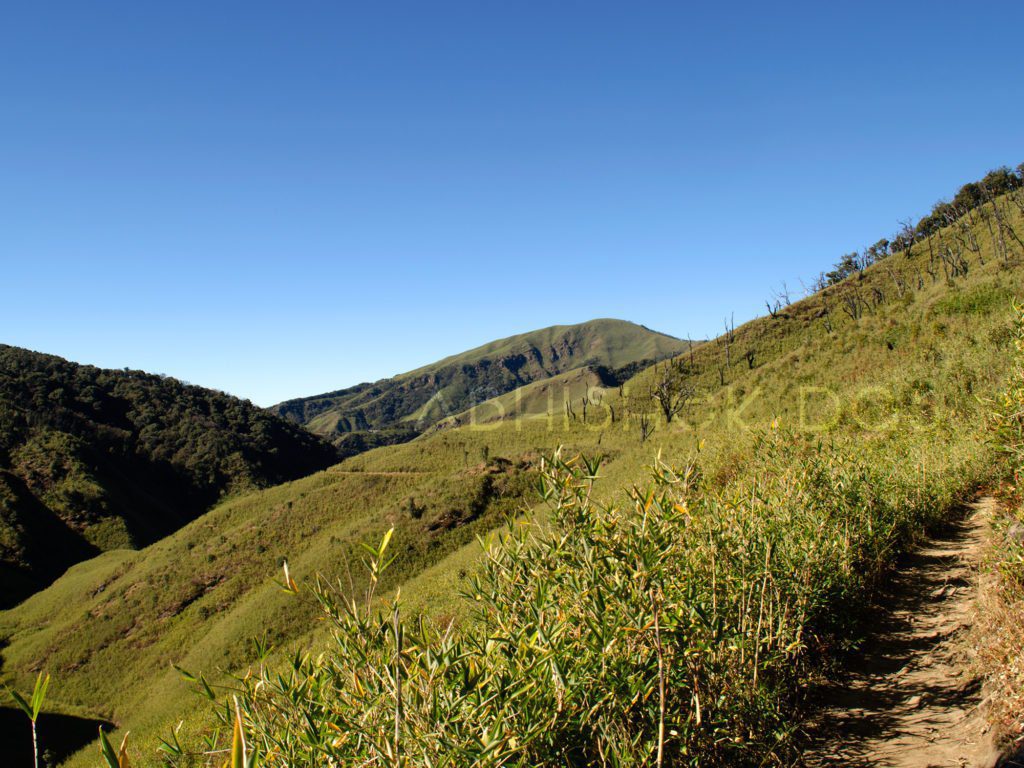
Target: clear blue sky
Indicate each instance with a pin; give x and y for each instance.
(278, 199)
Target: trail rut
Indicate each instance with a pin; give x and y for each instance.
(908, 700)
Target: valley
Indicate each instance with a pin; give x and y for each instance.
(796, 456)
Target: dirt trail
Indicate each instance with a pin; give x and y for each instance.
(908, 700)
(385, 473)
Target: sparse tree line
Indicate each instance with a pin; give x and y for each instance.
(948, 235)
(948, 231)
(941, 246)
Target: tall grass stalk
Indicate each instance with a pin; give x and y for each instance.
(675, 628)
(32, 707)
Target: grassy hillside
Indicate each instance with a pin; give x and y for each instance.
(875, 379)
(93, 460)
(393, 410)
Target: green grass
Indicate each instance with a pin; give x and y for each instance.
(901, 385)
(981, 299)
(673, 627)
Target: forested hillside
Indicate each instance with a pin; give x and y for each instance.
(397, 409)
(93, 460)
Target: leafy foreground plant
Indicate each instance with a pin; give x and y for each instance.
(239, 756)
(114, 758)
(671, 630)
(32, 707)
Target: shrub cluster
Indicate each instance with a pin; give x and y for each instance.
(673, 629)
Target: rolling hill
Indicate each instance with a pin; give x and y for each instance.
(93, 460)
(397, 409)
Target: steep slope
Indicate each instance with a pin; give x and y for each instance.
(890, 348)
(914, 348)
(94, 459)
(396, 409)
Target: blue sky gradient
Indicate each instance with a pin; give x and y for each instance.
(279, 199)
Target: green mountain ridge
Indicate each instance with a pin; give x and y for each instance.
(396, 409)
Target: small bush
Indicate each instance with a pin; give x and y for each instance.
(979, 300)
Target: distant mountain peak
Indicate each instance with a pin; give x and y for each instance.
(399, 408)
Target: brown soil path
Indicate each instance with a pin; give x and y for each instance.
(908, 700)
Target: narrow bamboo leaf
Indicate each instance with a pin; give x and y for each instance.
(19, 699)
(107, 750)
(39, 695)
